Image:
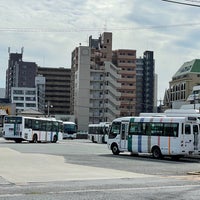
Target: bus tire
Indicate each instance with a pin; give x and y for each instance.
(35, 139)
(156, 153)
(92, 139)
(115, 149)
(55, 139)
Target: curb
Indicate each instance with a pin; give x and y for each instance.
(193, 173)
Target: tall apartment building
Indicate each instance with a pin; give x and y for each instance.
(104, 82)
(19, 73)
(146, 84)
(57, 90)
(95, 95)
(125, 60)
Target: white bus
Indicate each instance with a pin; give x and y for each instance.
(98, 132)
(69, 130)
(21, 128)
(159, 136)
(180, 113)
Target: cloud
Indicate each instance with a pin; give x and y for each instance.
(49, 31)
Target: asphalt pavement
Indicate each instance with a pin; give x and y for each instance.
(22, 168)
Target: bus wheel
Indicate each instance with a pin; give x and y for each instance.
(115, 149)
(55, 139)
(92, 139)
(35, 138)
(156, 152)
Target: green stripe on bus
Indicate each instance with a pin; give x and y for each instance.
(130, 139)
(130, 143)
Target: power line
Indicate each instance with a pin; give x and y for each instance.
(195, 1)
(45, 30)
(187, 4)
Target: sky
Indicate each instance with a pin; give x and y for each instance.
(49, 30)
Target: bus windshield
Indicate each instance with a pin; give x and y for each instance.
(70, 128)
(115, 129)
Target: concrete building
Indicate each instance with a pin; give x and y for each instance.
(182, 83)
(94, 90)
(24, 98)
(57, 90)
(146, 84)
(40, 83)
(125, 60)
(2, 93)
(104, 94)
(104, 82)
(19, 73)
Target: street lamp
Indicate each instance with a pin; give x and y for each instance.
(48, 106)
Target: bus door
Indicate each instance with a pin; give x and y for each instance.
(124, 136)
(196, 138)
(188, 138)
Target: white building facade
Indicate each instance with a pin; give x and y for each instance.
(96, 96)
(24, 98)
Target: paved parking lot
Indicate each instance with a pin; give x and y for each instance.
(17, 167)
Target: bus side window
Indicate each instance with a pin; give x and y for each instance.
(36, 124)
(123, 132)
(28, 123)
(49, 126)
(54, 126)
(43, 125)
(135, 128)
(170, 130)
(195, 129)
(187, 129)
(148, 128)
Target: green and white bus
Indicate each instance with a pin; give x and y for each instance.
(32, 129)
(159, 136)
(98, 133)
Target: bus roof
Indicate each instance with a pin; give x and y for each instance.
(157, 118)
(68, 122)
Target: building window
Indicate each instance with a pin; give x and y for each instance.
(18, 92)
(18, 98)
(30, 105)
(30, 98)
(19, 105)
(30, 92)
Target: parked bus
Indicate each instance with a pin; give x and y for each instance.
(179, 113)
(21, 128)
(69, 130)
(159, 136)
(98, 132)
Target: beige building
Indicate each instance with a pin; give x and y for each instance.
(94, 94)
(103, 82)
(125, 60)
(94, 87)
(182, 83)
